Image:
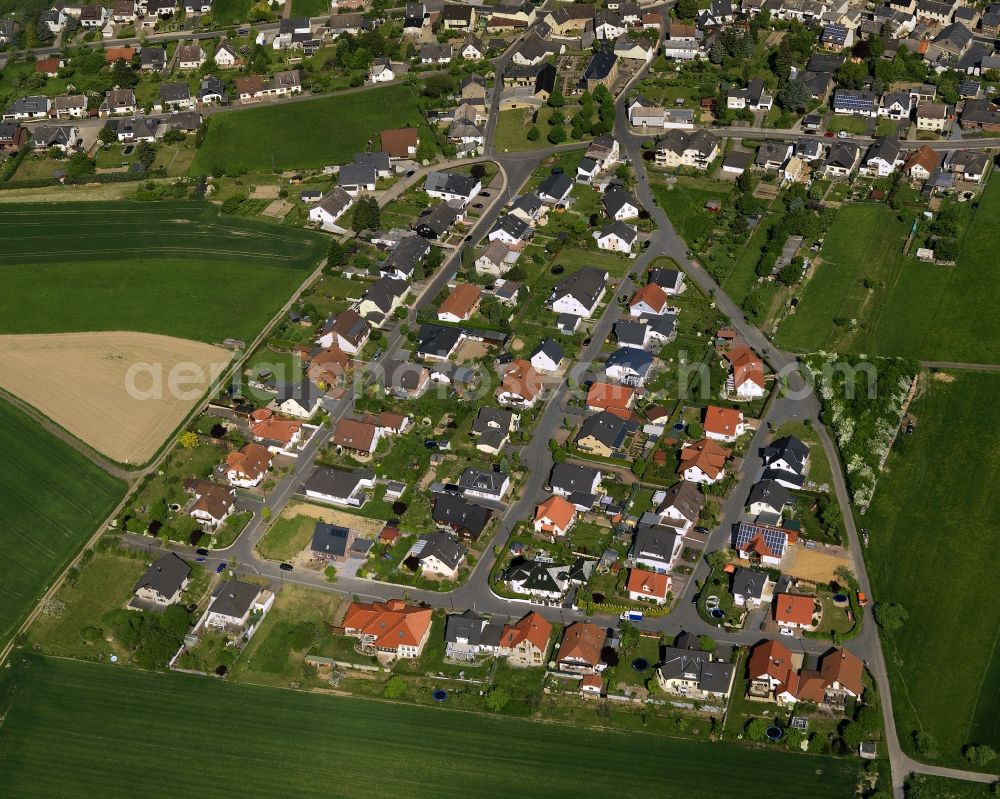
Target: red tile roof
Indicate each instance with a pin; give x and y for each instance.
(707, 455)
(722, 421)
(746, 366)
(793, 608)
(609, 397)
(559, 511)
(391, 624)
(396, 142)
(649, 583)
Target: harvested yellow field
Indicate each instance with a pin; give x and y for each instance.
(121, 393)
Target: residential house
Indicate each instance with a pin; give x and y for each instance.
(455, 16)
(681, 506)
(703, 461)
(969, 165)
(616, 237)
(12, 137)
(511, 231)
(746, 372)
(380, 71)
(580, 650)
(761, 543)
(670, 280)
(28, 108)
(346, 331)
(61, 137)
(495, 259)
(932, 117)
(620, 205)
(754, 97)
(468, 635)
(340, 487)
(70, 106)
(328, 367)
(226, 57)
(405, 380)
(882, 157)
(772, 155)
(655, 547)
(213, 502)
(793, 611)
(492, 428)
(696, 149)
(292, 32)
(174, 97)
(490, 485)
(610, 396)
(390, 628)
(152, 59)
(537, 579)
(355, 179)
(452, 187)
(921, 163)
(357, 436)
(842, 160)
(768, 500)
(331, 207)
(547, 357)
(405, 257)
(382, 298)
(649, 300)
(555, 189)
(118, 102)
(604, 433)
(786, 461)
(473, 49)
(278, 435)
(723, 424)
(332, 543)
(435, 54)
(437, 221)
(235, 605)
(629, 366)
(681, 43)
(751, 588)
(520, 384)
(526, 642)
(190, 56)
(466, 520)
(246, 467)
(555, 516)
(301, 400)
(602, 69)
(437, 555)
(695, 675)
(579, 293)
(579, 484)
(163, 582)
(647, 586)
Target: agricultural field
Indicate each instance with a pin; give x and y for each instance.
(175, 268)
(84, 382)
(906, 307)
(304, 134)
(936, 504)
(51, 500)
(93, 709)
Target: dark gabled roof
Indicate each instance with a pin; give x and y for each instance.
(406, 255)
(749, 583)
(174, 92)
(774, 494)
(529, 203)
(788, 448)
(654, 540)
(545, 78)
(631, 332)
(626, 233)
(337, 482)
(825, 62)
(385, 290)
(357, 175)
(450, 182)
(606, 427)
(437, 340)
(713, 676)
(550, 348)
(303, 392)
(455, 511)
(885, 148)
(443, 547)
(467, 625)
(616, 198)
(166, 575)
(585, 284)
(401, 374)
(570, 477)
(663, 277)
(685, 498)
(843, 154)
(437, 220)
(555, 186)
(488, 482)
(638, 360)
(514, 226)
(489, 419)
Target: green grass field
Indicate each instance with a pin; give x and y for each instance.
(267, 742)
(177, 268)
(309, 8)
(933, 526)
(914, 309)
(306, 134)
(226, 12)
(51, 500)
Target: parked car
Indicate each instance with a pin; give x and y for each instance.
(201, 551)
(200, 560)
(787, 631)
(829, 134)
(220, 568)
(286, 567)
(843, 134)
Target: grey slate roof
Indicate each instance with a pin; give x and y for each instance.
(489, 419)
(330, 539)
(570, 478)
(455, 511)
(711, 675)
(450, 182)
(654, 541)
(443, 547)
(615, 198)
(165, 575)
(585, 284)
(749, 583)
(774, 494)
(384, 291)
(685, 498)
(487, 482)
(606, 427)
(357, 175)
(550, 348)
(234, 598)
(337, 482)
(788, 448)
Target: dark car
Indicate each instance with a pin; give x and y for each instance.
(201, 551)
(286, 567)
(221, 568)
(484, 194)
(477, 205)
(829, 134)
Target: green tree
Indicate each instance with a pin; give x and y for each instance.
(107, 136)
(145, 154)
(534, 134)
(394, 688)
(979, 755)
(426, 149)
(706, 643)
(188, 440)
(890, 616)
(924, 743)
(557, 134)
(695, 430)
(366, 215)
(556, 99)
(853, 734)
(79, 167)
(794, 95)
(756, 729)
(686, 9)
(628, 638)
(331, 574)
(497, 698)
(718, 559)
(337, 254)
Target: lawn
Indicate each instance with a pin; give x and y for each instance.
(227, 12)
(856, 126)
(512, 130)
(176, 268)
(936, 505)
(51, 500)
(309, 8)
(684, 202)
(913, 309)
(105, 583)
(93, 709)
(287, 537)
(306, 134)
(819, 467)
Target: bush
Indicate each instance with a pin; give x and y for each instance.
(394, 688)
(91, 635)
(756, 729)
(890, 616)
(497, 698)
(979, 755)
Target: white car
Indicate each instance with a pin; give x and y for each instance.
(787, 631)
(843, 134)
